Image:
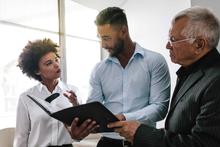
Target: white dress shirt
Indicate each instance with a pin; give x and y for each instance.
(34, 127)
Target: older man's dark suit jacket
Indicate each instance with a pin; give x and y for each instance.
(194, 116)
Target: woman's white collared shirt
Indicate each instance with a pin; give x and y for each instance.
(34, 127)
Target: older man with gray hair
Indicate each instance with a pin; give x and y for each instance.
(194, 116)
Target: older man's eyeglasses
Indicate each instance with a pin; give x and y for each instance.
(172, 41)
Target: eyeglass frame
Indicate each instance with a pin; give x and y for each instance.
(179, 41)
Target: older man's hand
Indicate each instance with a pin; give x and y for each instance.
(126, 129)
(120, 116)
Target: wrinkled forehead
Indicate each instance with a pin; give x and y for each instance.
(178, 26)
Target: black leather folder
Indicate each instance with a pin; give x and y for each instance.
(94, 110)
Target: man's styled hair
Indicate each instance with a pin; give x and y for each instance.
(112, 15)
(201, 23)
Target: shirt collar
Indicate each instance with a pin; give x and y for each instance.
(138, 51)
(41, 87)
(202, 63)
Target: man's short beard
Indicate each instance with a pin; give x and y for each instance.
(119, 47)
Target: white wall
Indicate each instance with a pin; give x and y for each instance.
(149, 23)
(101, 4)
(213, 5)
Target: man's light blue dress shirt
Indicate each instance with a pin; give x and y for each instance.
(140, 91)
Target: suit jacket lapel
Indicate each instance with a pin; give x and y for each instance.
(190, 81)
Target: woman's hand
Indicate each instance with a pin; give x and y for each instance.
(71, 97)
(80, 132)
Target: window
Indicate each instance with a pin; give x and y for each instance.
(25, 20)
(82, 46)
(21, 21)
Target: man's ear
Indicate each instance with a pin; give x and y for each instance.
(124, 30)
(199, 44)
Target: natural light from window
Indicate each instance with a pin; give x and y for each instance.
(36, 20)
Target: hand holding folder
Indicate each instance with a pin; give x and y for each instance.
(94, 111)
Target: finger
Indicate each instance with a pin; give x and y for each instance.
(85, 123)
(94, 129)
(90, 127)
(87, 126)
(118, 130)
(71, 97)
(117, 124)
(69, 94)
(120, 117)
(83, 127)
(74, 123)
(73, 93)
(66, 94)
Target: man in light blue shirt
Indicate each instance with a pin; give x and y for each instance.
(133, 83)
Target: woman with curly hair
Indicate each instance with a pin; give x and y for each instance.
(39, 60)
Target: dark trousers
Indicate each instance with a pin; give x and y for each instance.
(109, 142)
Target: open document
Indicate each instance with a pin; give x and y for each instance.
(94, 110)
